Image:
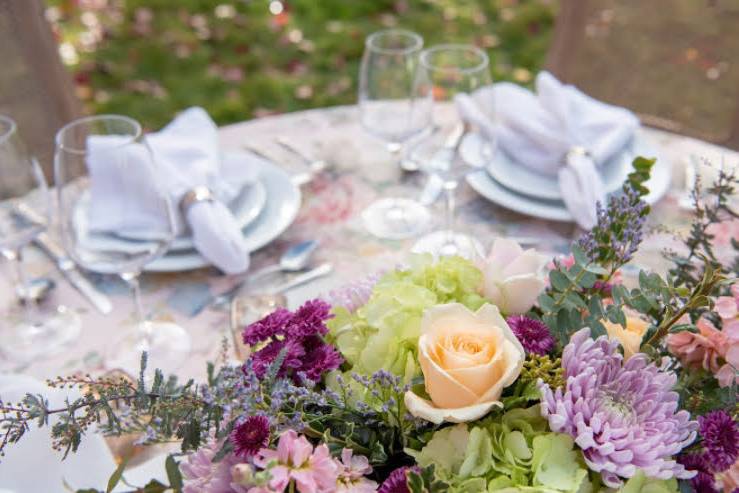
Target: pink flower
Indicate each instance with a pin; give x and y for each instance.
(352, 472)
(313, 470)
(712, 349)
(701, 350)
(202, 475)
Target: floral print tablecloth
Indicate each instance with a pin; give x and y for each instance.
(360, 170)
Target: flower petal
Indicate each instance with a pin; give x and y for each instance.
(520, 293)
(424, 409)
(528, 263)
(504, 251)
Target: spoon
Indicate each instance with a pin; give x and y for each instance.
(295, 258)
(36, 290)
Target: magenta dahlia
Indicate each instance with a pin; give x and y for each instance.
(533, 334)
(624, 416)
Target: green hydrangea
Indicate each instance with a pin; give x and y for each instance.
(513, 452)
(384, 333)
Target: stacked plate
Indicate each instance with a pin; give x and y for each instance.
(514, 186)
(264, 208)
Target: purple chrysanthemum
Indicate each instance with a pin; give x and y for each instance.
(250, 436)
(300, 336)
(397, 482)
(720, 440)
(533, 334)
(624, 416)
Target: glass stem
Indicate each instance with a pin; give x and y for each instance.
(450, 188)
(144, 326)
(21, 285)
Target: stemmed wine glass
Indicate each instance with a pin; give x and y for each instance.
(86, 150)
(30, 329)
(390, 111)
(445, 72)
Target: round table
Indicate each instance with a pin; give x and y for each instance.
(360, 170)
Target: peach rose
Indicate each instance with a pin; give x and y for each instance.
(701, 350)
(467, 359)
(629, 337)
(513, 277)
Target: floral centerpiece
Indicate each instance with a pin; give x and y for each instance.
(513, 373)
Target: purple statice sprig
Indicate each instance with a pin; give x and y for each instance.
(619, 230)
(292, 343)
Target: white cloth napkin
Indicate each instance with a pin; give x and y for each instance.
(540, 129)
(186, 154)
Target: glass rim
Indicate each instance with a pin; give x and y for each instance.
(136, 126)
(417, 42)
(12, 127)
(429, 65)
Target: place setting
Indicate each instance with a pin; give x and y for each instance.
(326, 299)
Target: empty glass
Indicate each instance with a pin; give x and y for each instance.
(29, 329)
(389, 110)
(444, 72)
(106, 236)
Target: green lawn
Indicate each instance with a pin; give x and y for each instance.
(150, 58)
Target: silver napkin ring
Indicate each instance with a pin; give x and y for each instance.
(194, 196)
(577, 151)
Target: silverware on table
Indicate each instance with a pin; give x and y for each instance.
(432, 190)
(66, 265)
(299, 179)
(304, 278)
(295, 258)
(315, 165)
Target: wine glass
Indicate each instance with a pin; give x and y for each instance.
(445, 72)
(390, 111)
(29, 329)
(87, 150)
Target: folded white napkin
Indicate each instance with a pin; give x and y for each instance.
(539, 130)
(186, 154)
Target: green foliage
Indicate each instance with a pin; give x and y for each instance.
(573, 300)
(151, 58)
(515, 450)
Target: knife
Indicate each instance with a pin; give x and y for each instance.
(66, 265)
(300, 279)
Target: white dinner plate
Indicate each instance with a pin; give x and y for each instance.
(281, 208)
(518, 178)
(555, 210)
(246, 207)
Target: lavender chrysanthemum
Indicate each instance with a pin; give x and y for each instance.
(250, 436)
(397, 482)
(354, 295)
(624, 416)
(533, 334)
(720, 440)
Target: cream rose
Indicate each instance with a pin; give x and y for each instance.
(467, 359)
(629, 337)
(513, 277)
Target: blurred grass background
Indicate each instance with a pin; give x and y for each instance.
(241, 59)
